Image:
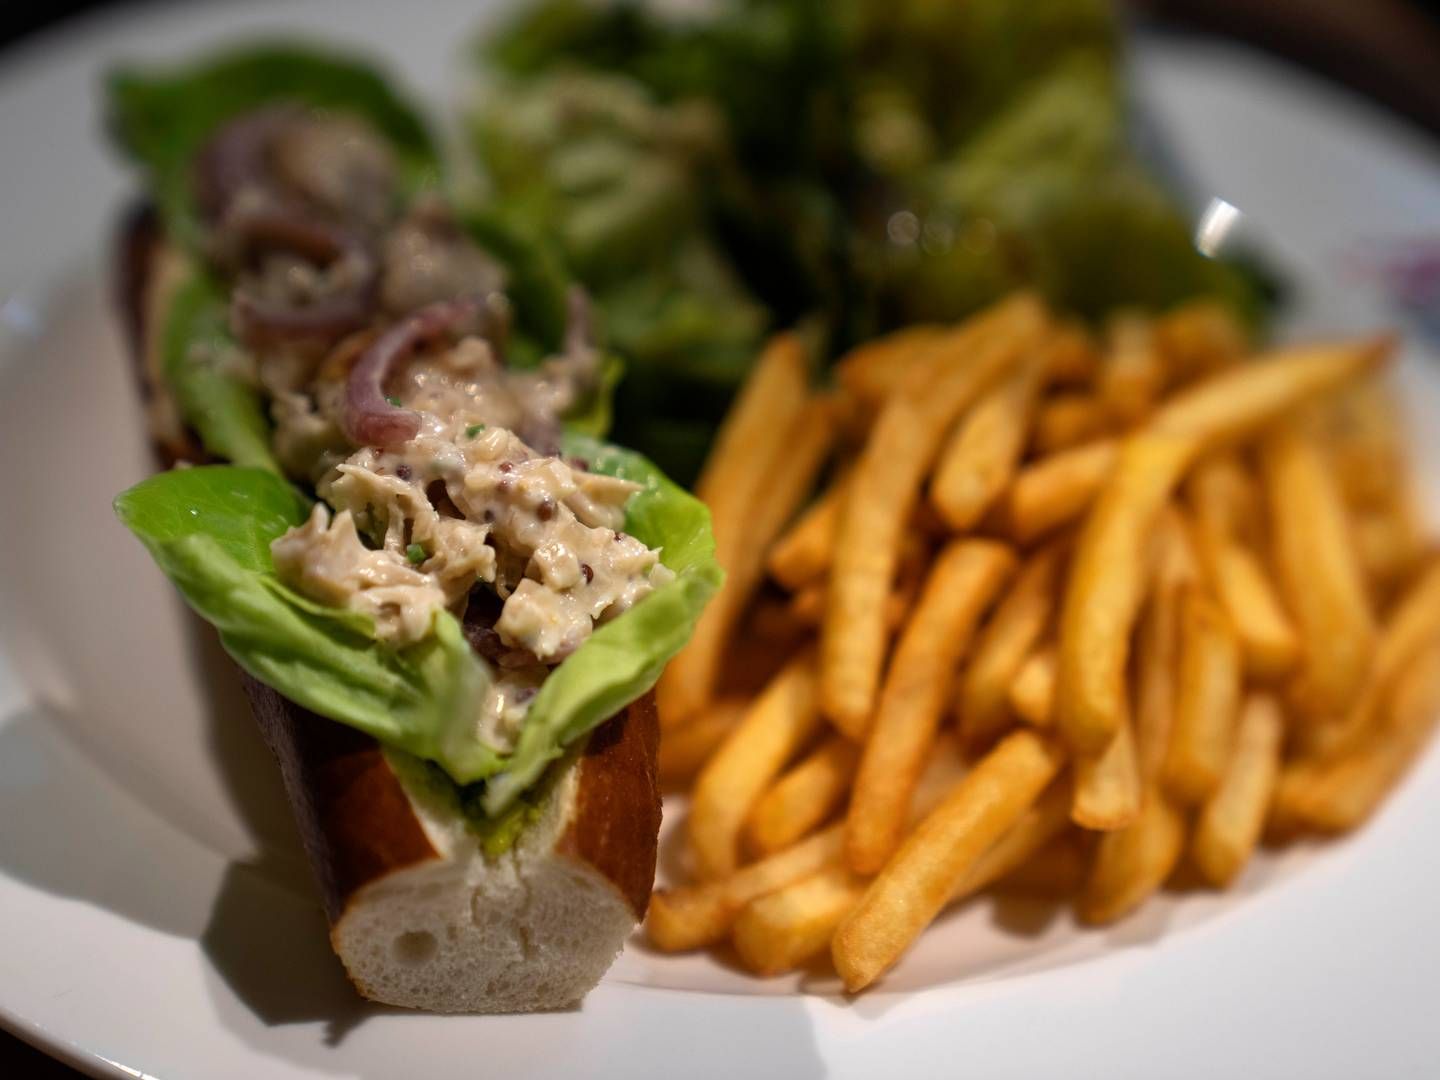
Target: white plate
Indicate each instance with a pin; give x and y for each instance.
(157, 919)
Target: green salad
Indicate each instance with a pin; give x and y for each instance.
(862, 164)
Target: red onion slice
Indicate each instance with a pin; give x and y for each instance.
(369, 419)
(235, 156)
(252, 232)
(263, 324)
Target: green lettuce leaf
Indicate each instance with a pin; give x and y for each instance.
(197, 357)
(162, 118)
(623, 658)
(210, 530)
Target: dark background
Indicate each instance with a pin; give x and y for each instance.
(1388, 50)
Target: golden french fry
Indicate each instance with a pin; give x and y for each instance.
(883, 490)
(1157, 648)
(1032, 694)
(1107, 785)
(1339, 794)
(981, 457)
(1131, 864)
(1068, 420)
(1412, 626)
(1056, 490)
(1074, 357)
(1041, 824)
(871, 372)
(1234, 404)
(694, 916)
(690, 679)
(1225, 499)
(804, 797)
(780, 934)
(1268, 639)
(785, 929)
(802, 556)
(1132, 375)
(963, 582)
(1365, 443)
(1389, 542)
(1005, 642)
(685, 749)
(1200, 338)
(1106, 587)
(1319, 574)
(778, 724)
(918, 881)
(1230, 824)
(1206, 703)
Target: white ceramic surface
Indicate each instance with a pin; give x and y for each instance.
(156, 917)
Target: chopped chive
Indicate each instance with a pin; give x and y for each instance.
(415, 553)
(473, 430)
(393, 400)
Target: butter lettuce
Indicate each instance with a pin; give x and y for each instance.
(197, 359)
(162, 118)
(209, 529)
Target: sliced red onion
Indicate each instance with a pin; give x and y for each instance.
(236, 154)
(252, 232)
(369, 419)
(262, 324)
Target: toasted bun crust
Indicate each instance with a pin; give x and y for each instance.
(419, 915)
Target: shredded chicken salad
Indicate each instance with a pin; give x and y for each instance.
(379, 335)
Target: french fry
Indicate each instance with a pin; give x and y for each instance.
(1056, 490)
(1206, 703)
(884, 488)
(917, 882)
(1005, 642)
(1224, 499)
(1268, 639)
(1230, 824)
(1106, 587)
(690, 679)
(1104, 593)
(1389, 543)
(685, 749)
(778, 724)
(1200, 338)
(1131, 864)
(963, 582)
(1411, 627)
(1231, 406)
(1157, 645)
(754, 442)
(1132, 375)
(786, 929)
(694, 916)
(1319, 574)
(804, 797)
(1107, 785)
(783, 929)
(1032, 694)
(1041, 824)
(1068, 420)
(1073, 355)
(1338, 795)
(871, 372)
(803, 554)
(981, 457)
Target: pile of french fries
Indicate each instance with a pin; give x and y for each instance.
(1015, 605)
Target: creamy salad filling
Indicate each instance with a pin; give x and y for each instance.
(379, 336)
